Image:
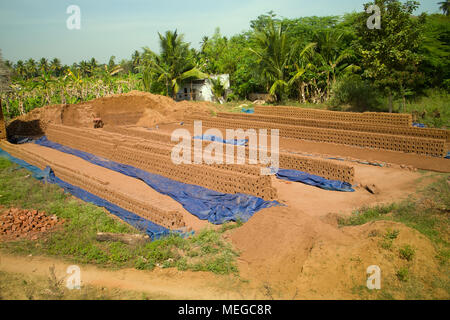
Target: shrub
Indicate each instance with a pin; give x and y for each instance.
(356, 92)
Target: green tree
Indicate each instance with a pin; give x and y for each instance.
(31, 68)
(56, 67)
(445, 6)
(174, 64)
(275, 54)
(389, 55)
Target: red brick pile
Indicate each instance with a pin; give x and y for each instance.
(21, 223)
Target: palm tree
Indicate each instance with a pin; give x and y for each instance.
(445, 6)
(21, 69)
(43, 65)
(31, 68)
(330, 58)
(55, 67)
(175, 64)
(93, 65)
(85, 68)
(276, 54)
(135, 61)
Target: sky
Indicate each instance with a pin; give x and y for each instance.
(37, 28)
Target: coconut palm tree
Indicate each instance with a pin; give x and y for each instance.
(174, 64)
(31, 68)
(21, 69)
(43, 65)
(56, 67)
(276, 55)
(445, 6)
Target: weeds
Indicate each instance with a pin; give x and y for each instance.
(206, 251)
(407, 252)
(403, 274)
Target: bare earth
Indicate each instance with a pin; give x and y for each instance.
(291, 252)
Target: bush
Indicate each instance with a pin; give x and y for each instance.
(361, 95)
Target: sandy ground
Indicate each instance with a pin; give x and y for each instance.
(291, 252)
(164, 283)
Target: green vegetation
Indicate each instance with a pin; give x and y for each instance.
(327, 62)
(205, 251)
(407, 252)
(403, 274)
(428, 212)
(22, 287)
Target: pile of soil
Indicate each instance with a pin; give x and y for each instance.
(133, 108)
(19, 223)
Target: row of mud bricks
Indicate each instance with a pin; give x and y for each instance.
(371, 118)
(422, 146)
(2, 125)
(333, 170)
(328, 169)
(156, 212)
(431, 133)
(155, 157)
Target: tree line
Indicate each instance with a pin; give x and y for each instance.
(332, 59)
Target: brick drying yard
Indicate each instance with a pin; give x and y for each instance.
(307, 248)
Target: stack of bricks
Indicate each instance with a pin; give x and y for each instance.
(333, 170)
(373, 118)
(156, 158)
(431, 133)
(408, 144)
(159, 213)
(2, 125)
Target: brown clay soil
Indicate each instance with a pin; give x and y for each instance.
(135, 107)
(291, 252)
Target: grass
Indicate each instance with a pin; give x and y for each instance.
(76, 241)
(427, 212)
(403, 274)
(431, 109)
(407, 252)
(26, 287)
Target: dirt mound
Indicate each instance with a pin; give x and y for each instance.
(17, 223)
(133, 108)
(302, 257)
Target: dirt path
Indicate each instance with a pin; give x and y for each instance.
(163, 283)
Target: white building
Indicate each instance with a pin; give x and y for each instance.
(202, 89)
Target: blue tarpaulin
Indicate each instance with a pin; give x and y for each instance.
(448, 155)
(153, 230)
(313, 180)
(249, 111)
(419, 125)
(216, 207)
(236, 142)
